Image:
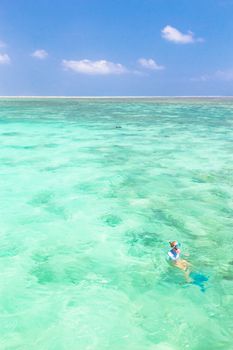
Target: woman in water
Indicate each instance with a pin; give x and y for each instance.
(174, 258)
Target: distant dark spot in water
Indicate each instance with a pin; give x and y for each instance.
(198, 180)
(159, 214)
(54, 168)
(112, 220)
(228, 277)
(85, 187)
(44, 274)
(131, 181)
(119, 148)
(7, 161)
(10, 133)
(118, 127)
(72, 274)
(138, 250)
(47, 274)
(231, 262)
(167, 219)
(204, 178)
(111, 194)
(146, 238)
(72, 303)
(51, 168)
(56, 210)
(41, 258)
(227, 212)
(45, 199)
(41, 198)
(29, 147)
(42, 270)
(8, 251)
(220, 194)
(47, 271)
(50, 145)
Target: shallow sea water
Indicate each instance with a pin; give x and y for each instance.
(91, 193)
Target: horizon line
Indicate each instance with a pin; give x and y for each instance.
(116, 96)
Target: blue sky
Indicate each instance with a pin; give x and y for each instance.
(116, 47)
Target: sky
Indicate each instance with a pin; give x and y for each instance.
(116, 47)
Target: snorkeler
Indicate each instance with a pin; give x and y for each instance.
(192, 277)
(174, 258)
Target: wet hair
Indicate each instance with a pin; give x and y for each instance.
(174, 244)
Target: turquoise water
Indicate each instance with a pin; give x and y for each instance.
(91, 192)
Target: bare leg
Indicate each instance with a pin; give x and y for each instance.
(187, 277)
(184, 266)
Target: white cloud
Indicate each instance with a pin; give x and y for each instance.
(172, 34)
(219, 75)
(101, 67)
(41, 54)
(203, 78)
(4, 58)
(226, 75)
(150, 64)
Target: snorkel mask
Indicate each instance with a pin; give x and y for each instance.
(174, 244)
